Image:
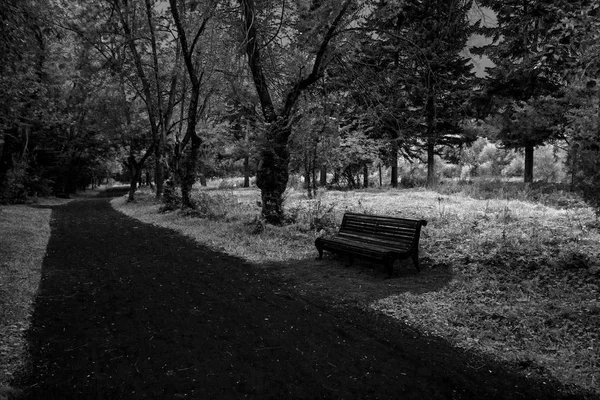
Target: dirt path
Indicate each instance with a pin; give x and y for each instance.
(129, 310)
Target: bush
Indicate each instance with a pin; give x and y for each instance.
(451, 171)
(14, 187)
(317, 216)
(211, 205)
(171, 198)
(550, 194)
(413, 180)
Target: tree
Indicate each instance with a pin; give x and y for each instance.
(410, 77)
(244, 121)
(23, 90)
(576, 49)
(321, 22)
(527, 73)
(148, 73)
(315, 139)
(528, 124)
(195, 76)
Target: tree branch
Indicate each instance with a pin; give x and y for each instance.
(317, 69)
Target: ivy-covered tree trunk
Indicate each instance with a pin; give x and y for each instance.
(189, 177)
(135, 175)
(272, 175)
(135, 171)
(528, 170)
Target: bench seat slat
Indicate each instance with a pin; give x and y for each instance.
(369, 247)
(403, 236)
(387, 242)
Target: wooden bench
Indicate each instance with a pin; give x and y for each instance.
(384, 239)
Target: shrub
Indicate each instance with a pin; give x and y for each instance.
(451, 171)
(171, 198)
(315, 215)
(13, 189)
(211, 205)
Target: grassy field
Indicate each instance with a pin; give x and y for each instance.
(514, 277)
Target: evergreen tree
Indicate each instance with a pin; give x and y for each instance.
(525, 84)
(413, 79)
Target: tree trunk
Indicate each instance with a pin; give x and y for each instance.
(573, 167)
(307, 183)
(394, 164)
(380, 177)
(323, 176)
(313, 171)
(189, 177)
(202, 173)
(134, 172)
(272, 175)
(528, 173)
(159, 173)
(246, 171)
(431, 178)
(365, 176)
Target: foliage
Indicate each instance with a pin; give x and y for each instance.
(315, 140)
(524, 87)
(307, 61)
(171, 200)
(582, 137)
(418, 79)
(356, 150)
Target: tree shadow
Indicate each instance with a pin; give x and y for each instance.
(363, 282)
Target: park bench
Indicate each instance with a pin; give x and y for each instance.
(384, 239)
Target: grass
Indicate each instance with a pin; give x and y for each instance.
(513, 277)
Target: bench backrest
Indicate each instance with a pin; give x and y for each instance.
(400, 233)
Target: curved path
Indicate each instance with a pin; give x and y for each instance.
(128, 310)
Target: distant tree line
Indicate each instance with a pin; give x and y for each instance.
(149, 90)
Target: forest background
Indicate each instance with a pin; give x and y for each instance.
(344, 94)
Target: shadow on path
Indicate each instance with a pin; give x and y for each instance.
(129, 310)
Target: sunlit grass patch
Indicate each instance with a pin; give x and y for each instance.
(525, 286)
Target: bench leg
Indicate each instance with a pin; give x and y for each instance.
(389, 267)
(350, 262)
(415, 258)
(320, 250)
